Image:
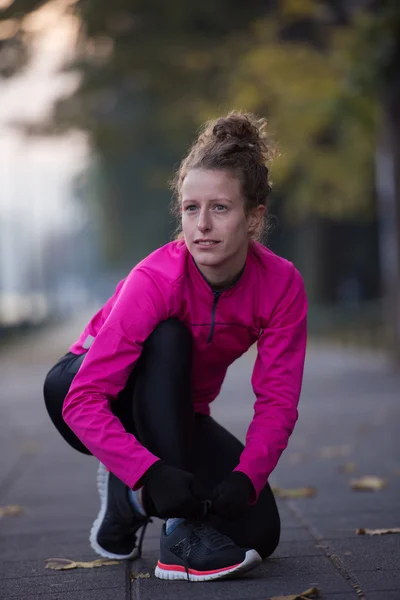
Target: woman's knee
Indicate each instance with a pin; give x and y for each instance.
(57, 383)
(171, 333)
(268, 540)
(54, 392)
(266, 514)
(55, 388)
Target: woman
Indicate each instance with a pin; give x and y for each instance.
(135, 388)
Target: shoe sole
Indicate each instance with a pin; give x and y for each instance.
(102, 488)
(175, 572)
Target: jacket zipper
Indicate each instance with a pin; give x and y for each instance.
(214, 308)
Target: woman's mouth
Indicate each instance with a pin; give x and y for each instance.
(206, 243)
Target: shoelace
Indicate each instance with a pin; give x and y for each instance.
(186, 546)
(133, 530)
(133, 527)
(141, 538)
(213, 535)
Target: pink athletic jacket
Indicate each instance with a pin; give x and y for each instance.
(267, 305)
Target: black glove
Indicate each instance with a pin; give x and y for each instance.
(231, 497)
(173, 492)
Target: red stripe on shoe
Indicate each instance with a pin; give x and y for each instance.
(181, 569)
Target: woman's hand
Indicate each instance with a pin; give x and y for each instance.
(231, 497)
(174, 492)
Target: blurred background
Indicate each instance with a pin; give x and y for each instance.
(99, 101)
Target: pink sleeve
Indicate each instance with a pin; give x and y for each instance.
(89, 333)
(141, 305)
(277, 380)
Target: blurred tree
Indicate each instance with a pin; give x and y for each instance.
(324, 72)
(146, 68)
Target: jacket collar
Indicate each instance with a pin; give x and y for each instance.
(200, 281)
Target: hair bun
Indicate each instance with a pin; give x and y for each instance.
(238, 128)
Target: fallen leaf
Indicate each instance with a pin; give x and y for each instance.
(133, 576)
(349, 467)
(368, 482)
(363, 531)
(12, 510)
(310, 593)
(63, 564)
(304, 492)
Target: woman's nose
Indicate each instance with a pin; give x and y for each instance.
(204, 221)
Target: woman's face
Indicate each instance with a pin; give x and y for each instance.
(216, 228)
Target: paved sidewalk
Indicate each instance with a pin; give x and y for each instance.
(350, 412)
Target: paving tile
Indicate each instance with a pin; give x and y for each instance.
(384, 595)
(298, 565)
(65, 582)
(370, 553)
(345, 525)
(35, 522)
(105, 594)
(348, 503)
(14, 569)
(70, 544)
(340, 596)
(297, 549)
(377, 580)
(295, 534)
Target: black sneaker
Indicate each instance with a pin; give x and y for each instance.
(113, 533)
(196, 551)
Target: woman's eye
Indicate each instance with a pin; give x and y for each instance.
(220, 207)
(191, 208)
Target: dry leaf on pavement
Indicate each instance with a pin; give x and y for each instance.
(349, 467)
(62, 564)
(368, 482)
(304, 492)
(363, 531)
(133, 576)
(310, 593)
(12, 510)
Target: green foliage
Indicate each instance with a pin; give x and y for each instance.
(325, 129)
(153, 71)
(372, 51)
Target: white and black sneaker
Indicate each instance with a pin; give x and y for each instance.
(196, 551)
(114, 532)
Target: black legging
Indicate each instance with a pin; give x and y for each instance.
(156, 407)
